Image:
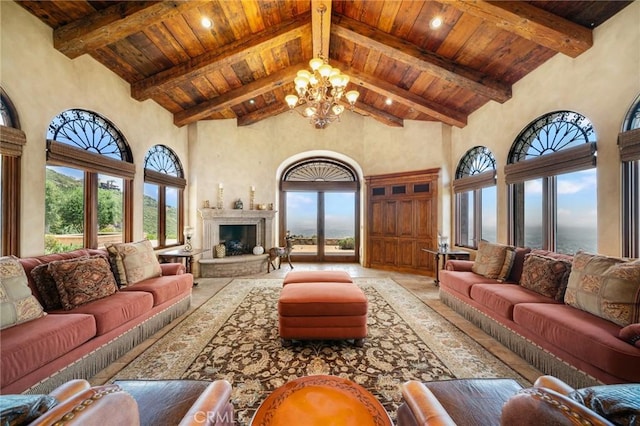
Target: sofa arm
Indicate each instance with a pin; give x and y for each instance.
(212, 407)
(535, 406)
(459, 265)
(553, 383)
(173, 268)
(69, 389)
(424, 406)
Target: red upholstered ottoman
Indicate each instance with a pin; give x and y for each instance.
(322, 311)
(297, 277)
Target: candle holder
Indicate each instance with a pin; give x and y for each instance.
(188, 233)
(252, 198)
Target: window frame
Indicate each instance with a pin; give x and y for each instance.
(476, 170)
(629, 147)
(67, 153)
(165, 170)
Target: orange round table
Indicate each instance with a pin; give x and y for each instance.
(321, 401)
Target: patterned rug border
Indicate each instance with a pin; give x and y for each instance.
(460, 353)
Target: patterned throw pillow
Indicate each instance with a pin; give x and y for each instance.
(46, 286)
(545, 275)
(117, 267)
(608, 287)
(17, 304)
(494, 260)
(82, 280)
(139, 261)
(631, 334)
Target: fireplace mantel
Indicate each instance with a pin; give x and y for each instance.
(213, 218)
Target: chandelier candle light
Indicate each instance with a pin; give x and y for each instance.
(320, 91)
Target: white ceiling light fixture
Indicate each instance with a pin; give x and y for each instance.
(388, 101)
(206, 22)
(436, 22)
(321, 90)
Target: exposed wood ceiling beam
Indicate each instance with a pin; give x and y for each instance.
(405, 97)
(236, 96)
(382, 116)
(321, 25)
(201, 65)
(532, 23)
(263, 113)
(115, 23)
(420, 59)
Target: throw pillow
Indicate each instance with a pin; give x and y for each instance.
(23, 409)
(82, 280)
(17, 304)
(631, 334)
(46, 286)
(619, 404)
(546, 276)
(608, 287)
(117, 267)
(493, 260)
(139, 261)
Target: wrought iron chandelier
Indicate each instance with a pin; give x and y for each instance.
(321, 90)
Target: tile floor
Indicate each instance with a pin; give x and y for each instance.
(421, 286)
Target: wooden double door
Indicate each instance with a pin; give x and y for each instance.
(402, 219)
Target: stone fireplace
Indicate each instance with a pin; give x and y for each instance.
(241, 230)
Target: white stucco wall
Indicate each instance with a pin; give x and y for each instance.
(600, 84)
(42, 83)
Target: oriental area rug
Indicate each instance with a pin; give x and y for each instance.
(234, 336)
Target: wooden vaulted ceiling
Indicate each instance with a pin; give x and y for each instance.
(244, 65)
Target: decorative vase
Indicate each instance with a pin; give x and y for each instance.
(220, 250)
(258, 250)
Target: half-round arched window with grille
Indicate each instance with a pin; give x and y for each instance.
(553, 186)
(89, 177)
(164, 185)
(319, 170)
(477, 160)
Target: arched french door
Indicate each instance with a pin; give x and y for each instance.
(319, 205)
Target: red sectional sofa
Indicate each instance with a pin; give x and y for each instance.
(41, 354)
(580, 348)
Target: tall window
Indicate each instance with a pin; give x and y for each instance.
(552, 184)
(629, 144)
(475, 189)
(88, 192)
(164, 185)
(12, 140)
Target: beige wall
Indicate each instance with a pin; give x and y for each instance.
(42, 83)
(600, 84)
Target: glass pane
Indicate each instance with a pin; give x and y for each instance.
(466, 202)
(302, 220)
(64, 209)
(110, 210)
(577, 226)
(151, 224)
(171, 216)
(339, 223)
(533, 213)
(489, 214)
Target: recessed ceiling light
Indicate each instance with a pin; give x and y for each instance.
(389, 101)
(206, 22)
(436, 22)
(252, 101)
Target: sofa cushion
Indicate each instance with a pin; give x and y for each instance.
(462, 281)
(581, 334)
(31, 345)
(608, 287)
(163, 288)
(494, 260)
(501, 298)
(139, 261)
(631, 334)
(119, 308)
(619, 404)
(545, 275)
(17, 304)
(82, 280)
(46, 286)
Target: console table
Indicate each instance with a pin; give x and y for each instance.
(446, 255)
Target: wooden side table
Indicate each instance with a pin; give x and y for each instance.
(446, 255)
(180, 254)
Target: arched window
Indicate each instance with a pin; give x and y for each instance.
(319, 201)
(552, 184)
(164, 185)
(88, 192)
(12, 140)
(475, 191)
(629, 144)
